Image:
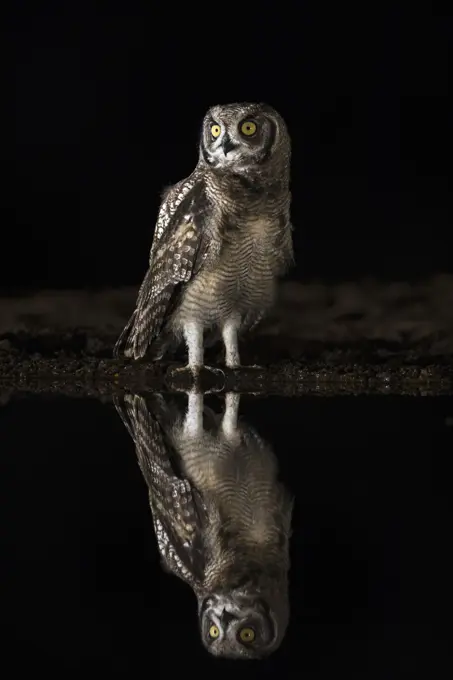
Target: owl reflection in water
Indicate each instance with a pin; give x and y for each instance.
(221, 517)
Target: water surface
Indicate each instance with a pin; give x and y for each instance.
(83, 587)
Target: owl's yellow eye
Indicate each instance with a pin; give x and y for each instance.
(248, 128)
(247, 634)
(215, 130)
(214, 632)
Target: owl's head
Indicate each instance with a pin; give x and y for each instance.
(237, 625)
(244, 137)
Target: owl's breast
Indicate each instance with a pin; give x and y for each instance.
(240, 281)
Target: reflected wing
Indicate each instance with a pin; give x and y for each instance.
(180, 246)
(177, 509)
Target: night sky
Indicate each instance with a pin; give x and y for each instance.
(107, 102)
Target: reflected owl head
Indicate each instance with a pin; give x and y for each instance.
(241, 626)
(243, 136)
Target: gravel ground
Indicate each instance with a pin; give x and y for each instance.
(352, 338)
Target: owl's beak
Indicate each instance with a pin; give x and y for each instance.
(227, 145)
(226, 617)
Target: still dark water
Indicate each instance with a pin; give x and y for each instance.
(82, 585)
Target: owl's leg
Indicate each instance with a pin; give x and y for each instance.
(193, 422)
(193, 335)
(230, 416)
(230, 338)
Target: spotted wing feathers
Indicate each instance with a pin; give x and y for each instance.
(179, 248)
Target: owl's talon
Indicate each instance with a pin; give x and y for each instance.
(215, 371)
(196, 376)
(218, 373)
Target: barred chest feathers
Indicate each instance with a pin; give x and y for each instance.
(241, 282)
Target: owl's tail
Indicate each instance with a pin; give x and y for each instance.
(144, 330)
(119, 344)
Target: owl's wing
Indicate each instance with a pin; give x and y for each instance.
(180, 246)
(177, 509)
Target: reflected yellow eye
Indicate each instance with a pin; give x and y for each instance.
(215, 130)
(247, 634)
(248, 128)
(214, 632)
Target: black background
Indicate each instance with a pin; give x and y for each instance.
(108, 98)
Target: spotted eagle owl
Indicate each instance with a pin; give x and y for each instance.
(222, 239)
(221, 517)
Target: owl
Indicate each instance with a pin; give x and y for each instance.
(221, 517)
(223, 238)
